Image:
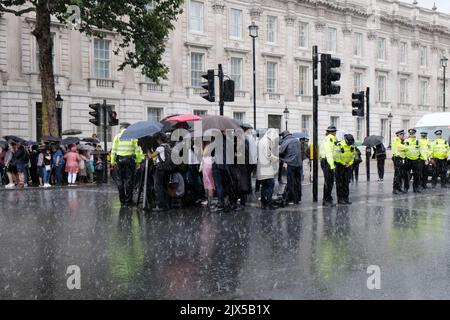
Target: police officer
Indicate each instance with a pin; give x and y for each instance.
(398, 157)
(412, 152)
(440, 150)
(344, 164)
(425, 146)
(327, 154)
(127, 155)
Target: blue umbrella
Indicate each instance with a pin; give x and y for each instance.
(142, 129)
(299, 135)
(31, 143)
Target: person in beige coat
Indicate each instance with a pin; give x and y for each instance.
(267, 167)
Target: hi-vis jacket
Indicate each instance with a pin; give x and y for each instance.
(412, 150)
(440, 149)
(125, 148)
(425, 148)
(328, 150)
(398, 148)
(347, 154)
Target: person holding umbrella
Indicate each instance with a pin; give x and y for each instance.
(380, 155)
(126, 155)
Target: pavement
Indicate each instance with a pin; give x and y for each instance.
(380, 247)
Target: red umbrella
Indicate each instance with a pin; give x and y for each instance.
(184, 118)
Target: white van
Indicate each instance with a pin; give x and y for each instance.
(434, 121)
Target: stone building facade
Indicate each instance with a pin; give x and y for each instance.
(390, 46)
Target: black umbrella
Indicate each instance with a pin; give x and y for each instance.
(71, 132)
(14, 138)
(70, 140)
(3, 144)
(372, 141)
(31, 143)
(91, 140)
(51, 139)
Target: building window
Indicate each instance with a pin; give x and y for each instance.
(332, 36)
(274, 121)
(405, 123)
(303, 31)
(306, 123)
(381, 81)
(423, 98)
(102, 58)
(200, 113)
(196, 16)
(381, 49)
(155, 114)
(303, 81)
(53, 54)
(383, 128)
(423, 56)
(334, 121)
(235, 23)
(403, 90)
(236, 72)
(196, 69)
(271, 77)
(272, 29)
(240, 116)
(359, 128)
(357, 82)
(357, 44)
(403, 52)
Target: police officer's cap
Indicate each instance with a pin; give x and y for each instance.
(124, 124)
(412, 131)
(331, 129)
(424, 133)
(399, 132)
(438, 132)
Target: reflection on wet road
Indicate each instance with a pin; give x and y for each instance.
(299, 253)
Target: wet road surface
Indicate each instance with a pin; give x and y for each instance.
(302, 252)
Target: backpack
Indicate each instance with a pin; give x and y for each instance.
(167, 164)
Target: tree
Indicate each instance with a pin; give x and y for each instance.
(143, 27)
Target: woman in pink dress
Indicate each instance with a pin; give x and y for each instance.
(72, 165)
(206, 168)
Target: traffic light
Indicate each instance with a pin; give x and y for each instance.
(329, 75)
(209, 86)
(358, 104)
(96, 113)
(228, 90)
(112, 118)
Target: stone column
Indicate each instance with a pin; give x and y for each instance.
(290, 65)
(76, 70)
(14, 49)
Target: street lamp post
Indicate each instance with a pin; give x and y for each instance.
(444, 63)
(253, 32)
(286, 116)
(390, 116)
(59, 105)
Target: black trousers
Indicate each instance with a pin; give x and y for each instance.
(380, 167)
(342, 182)
(400, 176)
(267, 187)
(423, 173)
(125, 179)
(293, 190)
(328, 175)
(412, 168)
(440, 170)
(161, 178)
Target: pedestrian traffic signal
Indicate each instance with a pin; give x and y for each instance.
(329, 75)
(209, 86)
(112, 118)
(96, 113)
(358, 104)
(228, 90)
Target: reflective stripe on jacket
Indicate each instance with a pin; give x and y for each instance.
(439, 149)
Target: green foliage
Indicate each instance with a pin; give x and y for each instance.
(143, 26)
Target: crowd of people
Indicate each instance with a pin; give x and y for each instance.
(48, 165)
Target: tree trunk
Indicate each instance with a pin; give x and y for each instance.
(45, 44)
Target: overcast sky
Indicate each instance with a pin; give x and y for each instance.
(442, 5)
